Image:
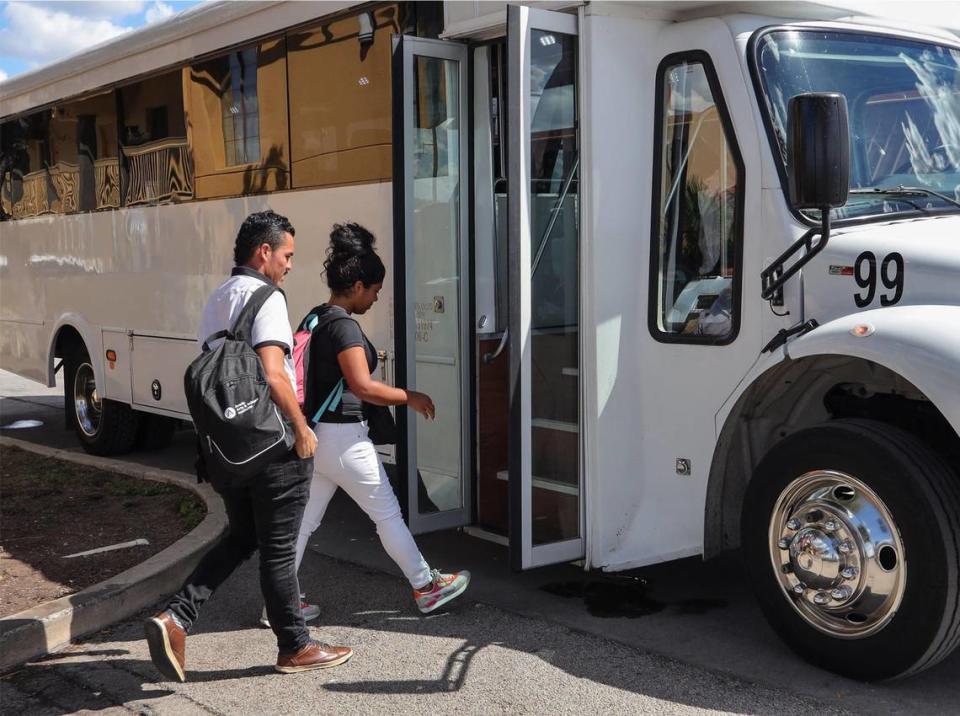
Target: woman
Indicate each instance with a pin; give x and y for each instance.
(345, 455)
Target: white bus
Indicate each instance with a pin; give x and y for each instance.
(577, 201)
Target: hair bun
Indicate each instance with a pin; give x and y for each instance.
(351, 258)
(350, 239)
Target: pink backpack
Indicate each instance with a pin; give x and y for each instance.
(301, 341)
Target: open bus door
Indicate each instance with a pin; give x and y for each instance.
(545, 454)
(544, 467)
(430, 294)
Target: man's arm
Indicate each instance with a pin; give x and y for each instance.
(281, 392)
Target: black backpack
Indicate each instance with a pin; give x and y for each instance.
(240, 429)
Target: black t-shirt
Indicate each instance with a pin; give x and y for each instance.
(335, 333)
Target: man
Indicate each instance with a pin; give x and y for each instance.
(265, 510)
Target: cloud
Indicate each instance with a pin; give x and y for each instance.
(41, 32)
(3, 75)
(158, 11)
(95, 9)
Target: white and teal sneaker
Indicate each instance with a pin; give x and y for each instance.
(442, 589)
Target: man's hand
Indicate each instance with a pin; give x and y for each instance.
(306, 444)
(282, 394)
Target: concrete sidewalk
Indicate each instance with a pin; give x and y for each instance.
(682, 637)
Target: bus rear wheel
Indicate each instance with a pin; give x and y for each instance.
(851, 535)
(104, 427)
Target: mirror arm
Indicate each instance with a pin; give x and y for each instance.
(773, 278)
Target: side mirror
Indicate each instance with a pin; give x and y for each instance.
(818, 151)
(818, 177)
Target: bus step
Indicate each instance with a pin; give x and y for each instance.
(545, 484)
(549, 424)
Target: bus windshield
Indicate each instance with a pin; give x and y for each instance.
(903, 100)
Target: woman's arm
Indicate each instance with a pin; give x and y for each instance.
(353, 365)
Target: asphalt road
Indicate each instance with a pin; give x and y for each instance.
(683, 637)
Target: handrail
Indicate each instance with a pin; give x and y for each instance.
(555, 215)
(490, 357)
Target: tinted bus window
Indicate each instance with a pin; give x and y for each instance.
(85, 169)
(340, 122)
(237, 106)
(153, 140)
(27, 189)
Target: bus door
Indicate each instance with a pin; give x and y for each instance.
(431, 265)
(545, 476)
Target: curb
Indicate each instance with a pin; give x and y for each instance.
(50, 627)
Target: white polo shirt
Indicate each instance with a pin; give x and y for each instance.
(271, 327)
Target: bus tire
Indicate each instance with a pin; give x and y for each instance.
(104, 427)
(846, 504)
(155, 431)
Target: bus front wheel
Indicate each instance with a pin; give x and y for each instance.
(104, 427)
(851, 534)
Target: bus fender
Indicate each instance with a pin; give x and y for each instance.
(919, 343)
(92, 340)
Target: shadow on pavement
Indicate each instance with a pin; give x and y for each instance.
(631, 632)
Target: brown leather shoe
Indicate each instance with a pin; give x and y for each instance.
(167, 642)
(314, 655)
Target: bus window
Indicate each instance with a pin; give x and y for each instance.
(85, 169)
(157, 166)
(237, 106)
(27, 188)
(700, 194)
(340, 122)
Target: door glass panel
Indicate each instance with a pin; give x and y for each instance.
(554, 237)
(436, 349)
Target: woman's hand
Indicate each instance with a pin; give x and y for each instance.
(422, 403)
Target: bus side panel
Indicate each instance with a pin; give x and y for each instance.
(158, 365)
(150, 270)
(23, 348)
(650, 424)
(116, 374)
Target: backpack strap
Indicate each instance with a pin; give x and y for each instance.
(213, 337)
(309, 322)
(243, 326)
(332, 401)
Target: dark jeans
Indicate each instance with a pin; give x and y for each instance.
(264, 512)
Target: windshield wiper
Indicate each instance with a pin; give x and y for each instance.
(902, 191)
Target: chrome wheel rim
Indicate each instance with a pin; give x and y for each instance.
(86, 400)
(837, 554)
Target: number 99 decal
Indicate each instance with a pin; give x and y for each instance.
(890, 275)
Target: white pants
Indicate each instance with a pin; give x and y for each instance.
(346, 458)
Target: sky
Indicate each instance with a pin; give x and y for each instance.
(34, 33)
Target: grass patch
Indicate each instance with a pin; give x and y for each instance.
(131, 487)
(192, 512)
(25, 477)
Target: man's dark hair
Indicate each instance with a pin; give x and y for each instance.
(262, 227)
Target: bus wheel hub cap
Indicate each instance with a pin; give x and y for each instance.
(86, 400)
(814, 558)
(837, 554)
